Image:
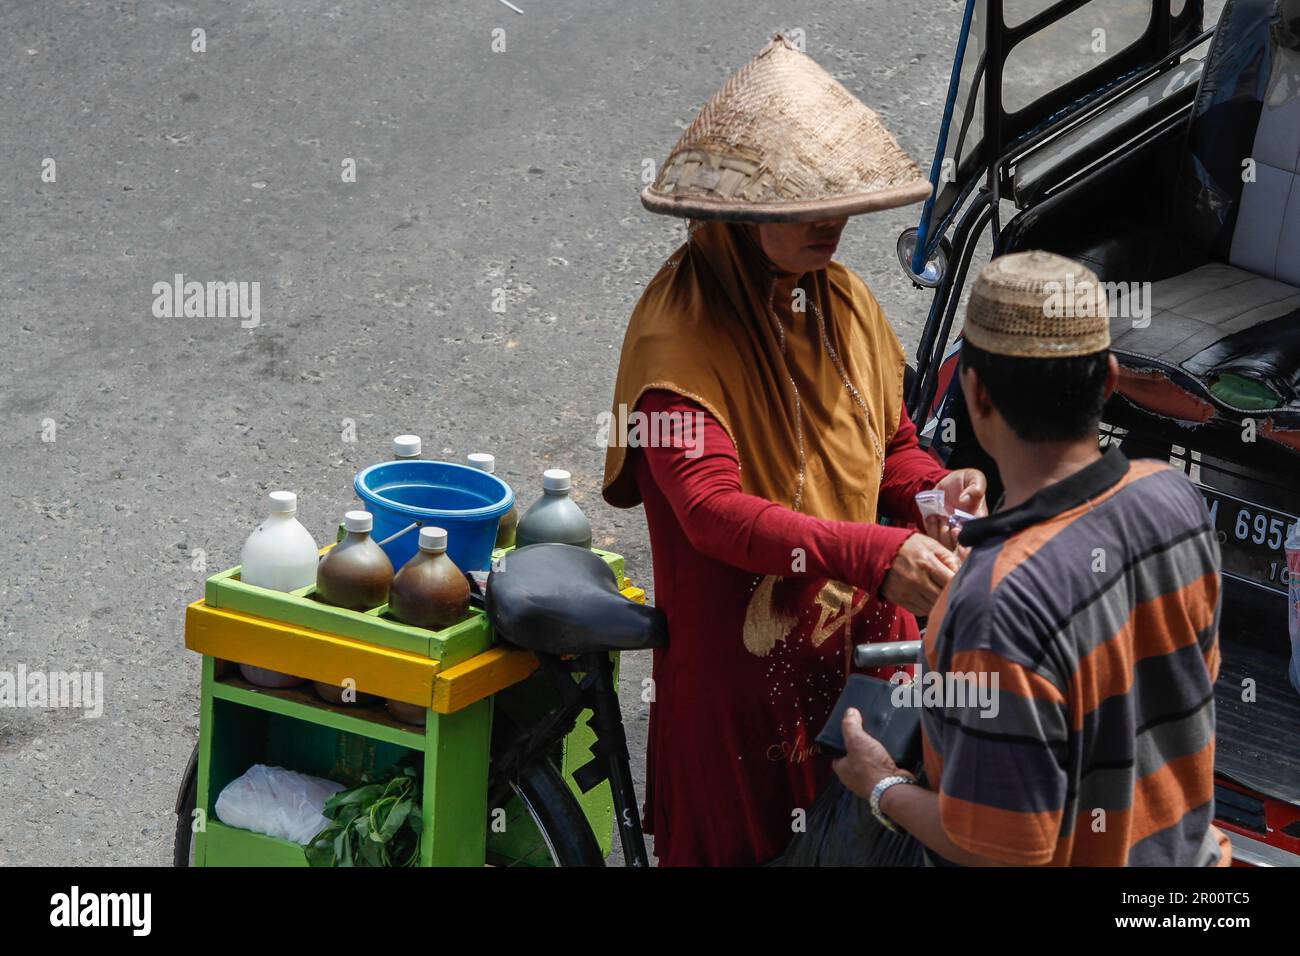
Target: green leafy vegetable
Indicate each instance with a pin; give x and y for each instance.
(376, 823)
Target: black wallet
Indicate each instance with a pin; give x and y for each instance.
(897, 728)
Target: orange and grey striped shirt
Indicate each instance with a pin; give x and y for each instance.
(1090, 613)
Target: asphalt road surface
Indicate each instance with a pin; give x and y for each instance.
(139, 449)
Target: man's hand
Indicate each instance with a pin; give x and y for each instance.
(912, 808)
(867, 761)
(963, 489)
(920, 570)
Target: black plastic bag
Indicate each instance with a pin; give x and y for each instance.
(843, 832)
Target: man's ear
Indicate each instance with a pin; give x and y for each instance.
(978, 402)
(1112, 376)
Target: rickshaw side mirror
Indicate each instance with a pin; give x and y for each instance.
(932, 275)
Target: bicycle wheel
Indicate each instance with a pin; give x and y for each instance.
(543, 824)
(186, 800)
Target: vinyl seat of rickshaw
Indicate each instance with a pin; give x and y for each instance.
(1224, 335)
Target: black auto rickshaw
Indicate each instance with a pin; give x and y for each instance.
(1166, 157)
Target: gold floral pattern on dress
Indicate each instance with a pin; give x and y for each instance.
(773, 615)
(765, 623)
(838, 603)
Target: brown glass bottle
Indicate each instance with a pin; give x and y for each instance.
(506, 528)
(355, 573)
(508, 521)
(408, 713)
(336, 695)
(429, 590)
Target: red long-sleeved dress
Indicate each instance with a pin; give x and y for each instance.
(745, 685)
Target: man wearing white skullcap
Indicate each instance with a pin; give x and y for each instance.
(1088, 605)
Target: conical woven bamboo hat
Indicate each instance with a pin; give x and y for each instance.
(784, 141)
(1037, 305)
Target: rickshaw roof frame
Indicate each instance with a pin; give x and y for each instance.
(1155, 45)
(1079, 112)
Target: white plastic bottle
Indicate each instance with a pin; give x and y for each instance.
(280, 554)
(1293, 600)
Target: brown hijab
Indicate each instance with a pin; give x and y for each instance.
(712, 327)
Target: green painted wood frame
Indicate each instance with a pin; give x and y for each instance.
(455, 751)
(456, 747)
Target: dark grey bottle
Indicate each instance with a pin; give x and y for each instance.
(554, 517)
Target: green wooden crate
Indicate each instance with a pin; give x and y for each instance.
(242, 725)
(221, 845)
(451, 645)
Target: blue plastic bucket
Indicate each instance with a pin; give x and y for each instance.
(465, 501)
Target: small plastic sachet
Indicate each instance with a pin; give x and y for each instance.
(933, 503)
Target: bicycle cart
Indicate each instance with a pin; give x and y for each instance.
(521, 743)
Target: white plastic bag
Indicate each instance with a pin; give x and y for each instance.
(278, 802)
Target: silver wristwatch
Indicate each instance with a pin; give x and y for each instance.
(878, 791)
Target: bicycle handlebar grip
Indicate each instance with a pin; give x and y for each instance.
(889, 653)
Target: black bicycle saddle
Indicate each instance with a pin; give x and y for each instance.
(560, 599)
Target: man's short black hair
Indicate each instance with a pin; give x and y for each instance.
(1043, 399)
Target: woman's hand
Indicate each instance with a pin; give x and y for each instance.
(963, 489)
(920, 570)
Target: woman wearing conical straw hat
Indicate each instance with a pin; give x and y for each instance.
(758, 416)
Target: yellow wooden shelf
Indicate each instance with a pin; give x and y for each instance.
(317, 655)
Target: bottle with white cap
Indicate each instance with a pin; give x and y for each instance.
(429, 590)
(510, 520)
(355, 573)
(280, 555)
(554, 517)
(406, 447)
